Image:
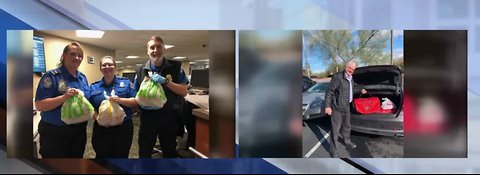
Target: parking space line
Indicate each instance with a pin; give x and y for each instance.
(321, 130)
(309, 153)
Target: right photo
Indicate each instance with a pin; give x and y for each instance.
(353, 94)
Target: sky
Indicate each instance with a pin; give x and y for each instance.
(317, 65)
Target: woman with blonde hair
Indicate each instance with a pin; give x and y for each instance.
(57, 138)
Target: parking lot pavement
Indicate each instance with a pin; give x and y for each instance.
(316, 142)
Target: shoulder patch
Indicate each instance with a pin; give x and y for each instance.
(47, 82)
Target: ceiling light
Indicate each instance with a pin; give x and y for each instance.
(167, 46)
(192, 62)
(131, 57)
(90, 33)
(118, 62)
(179, 58)
(204, 60)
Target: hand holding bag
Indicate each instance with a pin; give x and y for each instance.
(110, 113)
(77, 109)
(367, 105)
(150, 95)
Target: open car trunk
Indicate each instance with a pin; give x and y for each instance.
(380, 81)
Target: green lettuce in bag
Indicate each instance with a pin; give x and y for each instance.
(77, 109)
(150, 95)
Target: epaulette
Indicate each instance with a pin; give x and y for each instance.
(56, 71)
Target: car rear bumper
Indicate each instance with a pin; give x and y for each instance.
(377, 131)
(386, 126)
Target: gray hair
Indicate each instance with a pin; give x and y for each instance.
(351, 62)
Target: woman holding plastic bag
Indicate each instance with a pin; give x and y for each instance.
(112, 97)
(61, 97)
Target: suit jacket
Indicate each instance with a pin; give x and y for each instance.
(338, 94)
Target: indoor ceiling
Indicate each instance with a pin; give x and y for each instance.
(192, 44)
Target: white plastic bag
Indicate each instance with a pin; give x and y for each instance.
(110, 113)
(387, 104)
(150, 95)
(77, 109)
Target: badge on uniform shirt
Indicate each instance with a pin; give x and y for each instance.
(169, 78)
(62, 86)
(122, 84)
(47, 82)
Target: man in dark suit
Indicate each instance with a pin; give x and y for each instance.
(337, 104)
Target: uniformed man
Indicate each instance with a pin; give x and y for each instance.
(161, 123)
(115, 141)
(57, 139)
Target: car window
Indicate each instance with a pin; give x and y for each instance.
(318, 88)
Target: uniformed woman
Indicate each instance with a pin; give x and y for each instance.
(57, 139)
(115, 141)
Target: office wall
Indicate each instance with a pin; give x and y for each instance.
(126, 70)
(53, 50)
(185, 67)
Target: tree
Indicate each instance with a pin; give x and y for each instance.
(340, 46)
(370, 47)
(398, 62)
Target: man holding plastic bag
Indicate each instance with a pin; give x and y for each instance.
(161, 86)
(112, 98)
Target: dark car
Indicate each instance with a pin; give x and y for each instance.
(307, 83)
(382, 81)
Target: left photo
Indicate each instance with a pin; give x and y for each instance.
(121, 94)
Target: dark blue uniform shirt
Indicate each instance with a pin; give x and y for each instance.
(55, 83)
(123, 89)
